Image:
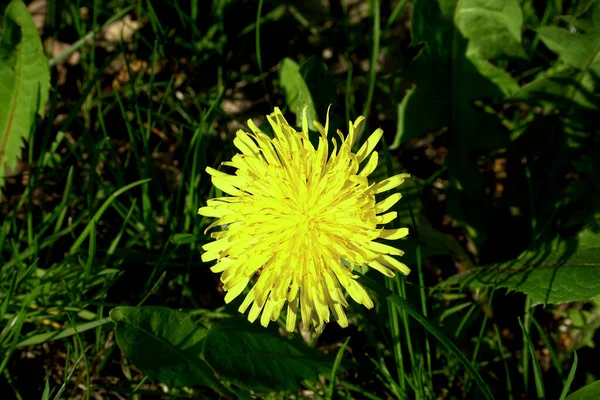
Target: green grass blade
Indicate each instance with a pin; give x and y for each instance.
(85, 39)
(431, 328)
(569, 381)
(56, 335)
(395, 313)
(373, 65)
(537, 369)
(553, 356)
(99, 213)
(504, 357)
(336, 365)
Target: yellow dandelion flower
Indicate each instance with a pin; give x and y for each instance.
(301, 219)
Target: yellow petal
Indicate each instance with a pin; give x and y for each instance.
(340, 316)
(392, 262)
(385, 249)
(381, 268)
(386, 204)
(390, 183)
(247, 301)
(386, 218)
(393, 234)
(245, 144)
(236, 290)
(371, 165)
(369, 145)
(292, 313)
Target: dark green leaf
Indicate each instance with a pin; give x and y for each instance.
(589, 392)
(559, 86)
(493, 27)
(164, 343)
(581, 51)
(560, 272)
(255, 357)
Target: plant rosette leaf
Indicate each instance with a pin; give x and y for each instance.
(24, 82)
(563, 271)
(165, 344)
(258, 358)
(493, 27)
(589, 392)
(581, 51)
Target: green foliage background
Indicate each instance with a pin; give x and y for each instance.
(110, 112)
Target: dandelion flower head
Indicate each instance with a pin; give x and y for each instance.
(300, 219)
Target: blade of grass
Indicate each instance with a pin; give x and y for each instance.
(464, 320)
(56, 335)
(359, 390)
(46, 393)
(422, 296)
(15, 326)
(99, 213)
(89, 265)
(394, 311)
(85, 39)
(117, 239)
(570, 378)
(525, 350)
(504, 361)
(384, 293)
(258, 51)
(400, 7)
(482, 329)
(480, 337)
(537, 369)
(374, 5)
(83, 354)
(553, 356)
(336, 365)
(63, 387)
(348, 94)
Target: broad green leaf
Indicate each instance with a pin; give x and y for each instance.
(501, 80)
(561, 272)
(297, 93)
(24, 82)
(165, 344)
(581, 51)
(259, 358)
(589, 392)
(556, 86)
(493, 27)
(559, 86)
